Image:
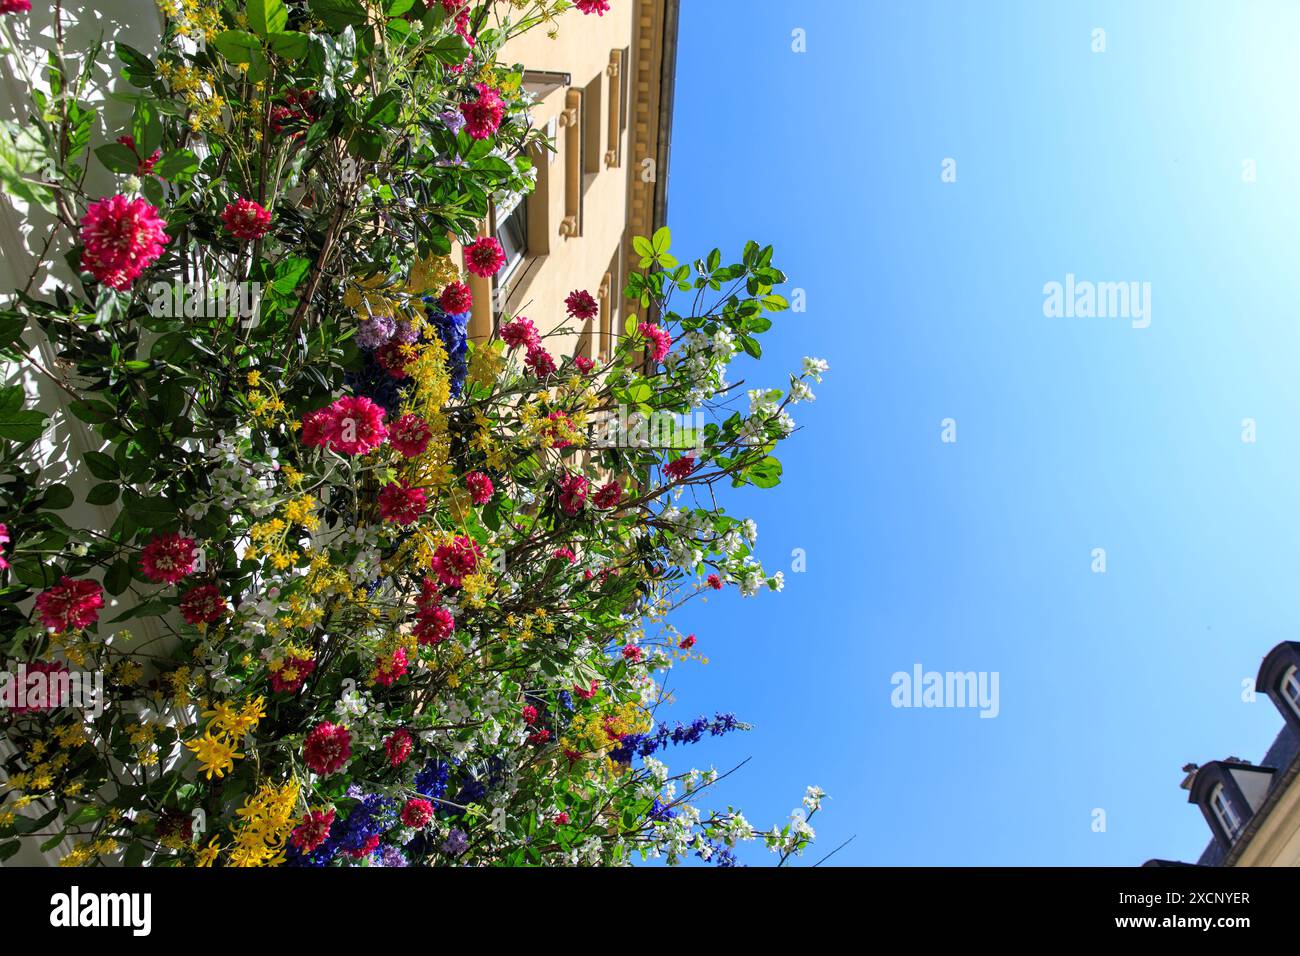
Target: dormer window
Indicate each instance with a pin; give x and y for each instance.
(1291, 689)
(1224, 813)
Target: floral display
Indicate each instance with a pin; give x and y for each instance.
(368, 590)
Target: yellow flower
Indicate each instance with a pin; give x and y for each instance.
(208, 855)
(215, 754)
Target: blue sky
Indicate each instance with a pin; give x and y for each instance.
(1072, 433)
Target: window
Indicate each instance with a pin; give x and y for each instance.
(1223, 810)
(1291, 689)
(592, 150)
(512, 233)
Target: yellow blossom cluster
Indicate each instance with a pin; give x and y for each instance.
(217, 749)
(265, 404)
(431, 274)
(198, 88)
(265, 821)
(194, 20)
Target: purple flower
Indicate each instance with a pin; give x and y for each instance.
(453, 120)
(392, 856)
(375, 331)
(456, 843)
(406, 332)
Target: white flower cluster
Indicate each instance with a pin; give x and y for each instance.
(238, 482)
(702, 363)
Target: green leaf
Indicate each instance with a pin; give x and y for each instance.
(641, 245)
(151, 512)
(661, 240)
(765, 474)
(176, 165)
(16, 423)
(58, 497)
(117, 158)
(118, 577)
(290, 45)
(101, 466)
(11, 329)
(288, 273)
(139, 68)
(104, 493)
(267, 16)
(339, 14)
(385, 109)
(146, 127)
(85, 815)
(451, 50)
(93, 411)
(237, 46)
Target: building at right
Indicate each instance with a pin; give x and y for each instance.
(1253, 810)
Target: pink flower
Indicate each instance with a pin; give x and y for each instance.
(203, 604)
(434, 625)
(122, 238)
(453, 562)
(398, 746)
(313, 830)
(15, 6)
(529, 714)
(681, 468)
(598, 7)
(246, 220)
(565, 554)
(389, 668)
(402, 504)
(520, 332)
(540, 362)
(417, 813)
(369, 846)
(540, 737)
(4, 539)
(70, 605)
(687, 642)
(480, 487)
(352, 425)
(714, 582)
(586, 693)
(561, 818)
(167, 558)
(582, 305)
(632, 653)
(609, 495)
(456, 298)
(290, 676)
(573, 493)
(410, 435)
(657, 339)
(484, 257)
(327, 748)
(584, 364)
(483, 116)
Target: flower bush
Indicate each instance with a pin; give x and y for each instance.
(372, 593)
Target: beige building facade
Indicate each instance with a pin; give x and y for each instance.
(604, 89)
